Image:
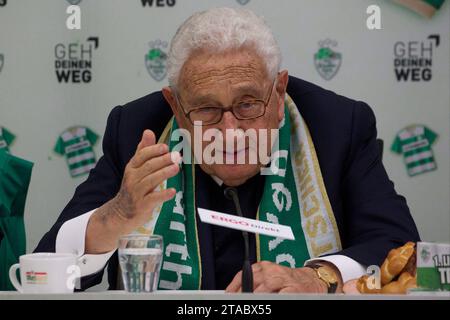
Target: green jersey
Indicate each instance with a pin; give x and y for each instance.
(15, 174)
(415, 143)
(6, 138)
(76, 144)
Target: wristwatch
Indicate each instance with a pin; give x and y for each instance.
(326, 276)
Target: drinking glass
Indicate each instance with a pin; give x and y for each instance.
(140, 258)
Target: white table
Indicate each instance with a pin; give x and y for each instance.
(213, 295)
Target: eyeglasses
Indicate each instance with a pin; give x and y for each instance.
(243, 110)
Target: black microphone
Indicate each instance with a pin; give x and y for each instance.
(247, 274)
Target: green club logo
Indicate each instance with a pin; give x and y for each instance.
(425, 254)
(156, 60)
(326, 60)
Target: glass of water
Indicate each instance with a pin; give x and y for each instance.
(140, 258)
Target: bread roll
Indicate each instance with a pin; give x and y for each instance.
(395, 262)
(362, 285)
(401, 286)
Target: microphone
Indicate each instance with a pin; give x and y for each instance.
(247, 274)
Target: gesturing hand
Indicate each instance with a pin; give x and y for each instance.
(149, 167)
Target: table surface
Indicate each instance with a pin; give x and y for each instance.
(214, 295)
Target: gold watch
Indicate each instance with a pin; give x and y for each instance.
(326, 276)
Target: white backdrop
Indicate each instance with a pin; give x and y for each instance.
(36, 108)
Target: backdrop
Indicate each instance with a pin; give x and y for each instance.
(57, 85)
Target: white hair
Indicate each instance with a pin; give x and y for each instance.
(219, 30)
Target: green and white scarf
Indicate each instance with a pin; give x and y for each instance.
(295, 196)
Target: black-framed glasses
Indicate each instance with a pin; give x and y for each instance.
(244, 110)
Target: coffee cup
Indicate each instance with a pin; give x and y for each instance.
(45, 273)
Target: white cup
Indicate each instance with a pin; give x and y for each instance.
(45, 273)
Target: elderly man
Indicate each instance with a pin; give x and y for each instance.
(331, 187)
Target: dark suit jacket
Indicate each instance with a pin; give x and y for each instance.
(372, 218)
